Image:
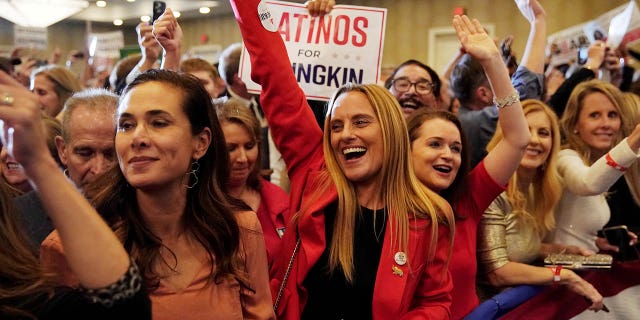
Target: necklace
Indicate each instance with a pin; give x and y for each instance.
(377, 233)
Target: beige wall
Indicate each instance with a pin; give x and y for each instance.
(408, 24)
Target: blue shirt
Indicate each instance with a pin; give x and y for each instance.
(480, 125)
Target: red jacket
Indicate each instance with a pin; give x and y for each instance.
(274, 205)
(423, 291)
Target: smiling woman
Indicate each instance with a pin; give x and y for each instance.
(512, 229)
(201, 252)
(440, 155)
(242, 134)
(590, 163)
(359, 218)
(12, 171)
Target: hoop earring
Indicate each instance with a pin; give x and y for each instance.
(195, 166)
(66, 173)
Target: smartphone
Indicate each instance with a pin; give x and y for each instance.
(619, 236)
(158, 10)
(583, 55)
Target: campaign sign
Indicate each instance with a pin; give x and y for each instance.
(617, 27)
(30, 37)
(106, 45)
(328, 51)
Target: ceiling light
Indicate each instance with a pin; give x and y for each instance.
(39, 13)
(117, 22)
(177, 14)
(145, 18)
(131, 0)
(204, 10)
(101, 4)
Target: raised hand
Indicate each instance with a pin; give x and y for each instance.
(596, 55)
(319, 7)
(474, 38)
(23, 71)
(530, 9)
(22, 131)
(148, 44)
(168, 32)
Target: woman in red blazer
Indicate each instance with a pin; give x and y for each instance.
(365, 239)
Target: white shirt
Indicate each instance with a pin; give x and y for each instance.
(583, 208)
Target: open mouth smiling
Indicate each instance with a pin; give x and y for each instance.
(13, 166)
(442, 168)
(352, 153)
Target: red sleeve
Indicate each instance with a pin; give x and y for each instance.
(291, 120)
(483, 190)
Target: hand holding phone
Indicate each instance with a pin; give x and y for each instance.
(619, 236)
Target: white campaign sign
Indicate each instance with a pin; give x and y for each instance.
(326, 52)
(106, 45)
(30, 37)
(617, 26)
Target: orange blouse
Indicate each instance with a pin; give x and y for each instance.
(224, 300)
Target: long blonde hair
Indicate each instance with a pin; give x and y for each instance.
(405, 197)
(572, 114)
(546, 188)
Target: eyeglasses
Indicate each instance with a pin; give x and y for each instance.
(403, 85)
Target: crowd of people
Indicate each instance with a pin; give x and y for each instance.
(171, 192)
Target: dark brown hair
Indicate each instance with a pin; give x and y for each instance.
(435, 78)
(22, 282)
(209, 214)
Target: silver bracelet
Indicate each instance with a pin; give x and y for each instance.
(506, 101)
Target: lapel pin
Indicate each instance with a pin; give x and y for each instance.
(397, 271)
(400, 258)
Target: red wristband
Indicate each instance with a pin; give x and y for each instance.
(612, 163)
(556, 273)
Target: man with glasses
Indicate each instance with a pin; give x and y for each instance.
(415, 85)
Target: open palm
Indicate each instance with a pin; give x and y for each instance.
(474, 38)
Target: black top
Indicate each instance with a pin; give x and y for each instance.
(68, 303)
(559, 99)
(330, 295)
(34, 218)
(624, 210)
(124, 299)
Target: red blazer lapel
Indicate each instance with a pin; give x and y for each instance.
(396, 281)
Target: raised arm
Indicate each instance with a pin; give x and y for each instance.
(169, 34)
(596, 55)
(534, 52)
(601, 175)
(93, 251)
(150, 51)
(291, 120)
(503, 160)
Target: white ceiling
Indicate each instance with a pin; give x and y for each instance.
(130, 12)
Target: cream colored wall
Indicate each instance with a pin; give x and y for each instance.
(407, 26)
